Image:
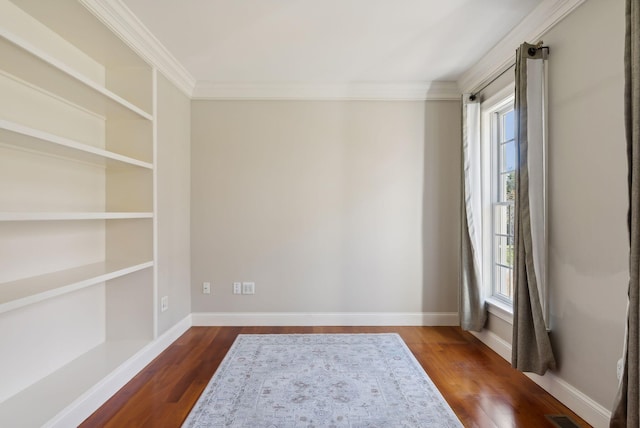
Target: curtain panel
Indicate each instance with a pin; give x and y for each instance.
(531, 347)
(626, 408)
(472, 307)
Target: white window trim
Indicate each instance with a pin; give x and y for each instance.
(500, 309)
(500, 100)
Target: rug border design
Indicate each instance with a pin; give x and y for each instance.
(198, 407)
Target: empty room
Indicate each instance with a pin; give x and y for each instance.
(319, 213)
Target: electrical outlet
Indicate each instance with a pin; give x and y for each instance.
(237, 288)
(248, 288)
(206, 288)
(164, 303)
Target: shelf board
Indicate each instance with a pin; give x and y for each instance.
(35, 67)
(40, 403)
(58, 216)
(23, 292)
(25, 137)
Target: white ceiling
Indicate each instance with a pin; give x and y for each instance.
(315, 42)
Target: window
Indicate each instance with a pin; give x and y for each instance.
(503, 185)
(499, 165)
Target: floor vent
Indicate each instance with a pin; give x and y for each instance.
(562, 421)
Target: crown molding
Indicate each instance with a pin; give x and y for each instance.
(411, 91)
(532, 28)
(119, 19)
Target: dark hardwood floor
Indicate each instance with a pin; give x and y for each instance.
(480, 386)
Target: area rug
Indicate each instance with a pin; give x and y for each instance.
(320, 380)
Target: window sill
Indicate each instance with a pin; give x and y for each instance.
(500, 309)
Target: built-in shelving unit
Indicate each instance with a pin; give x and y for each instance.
(77, 207)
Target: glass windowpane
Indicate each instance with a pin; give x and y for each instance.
(508, 156)
(509, 125)
(504, 250)
(504, 220)
(507, 187)
(504, 281)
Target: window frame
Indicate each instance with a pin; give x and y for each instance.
(498, 140)
(501, 102)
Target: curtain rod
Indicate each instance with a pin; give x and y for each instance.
(532, 51)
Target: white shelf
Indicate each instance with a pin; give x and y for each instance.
(55, 216)
(41, 402)
(25, 137)
(28, 291)
(29, 64)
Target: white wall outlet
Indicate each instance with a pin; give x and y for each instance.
(248, 288)
(206, 288)
(237, 288)
(164, 303)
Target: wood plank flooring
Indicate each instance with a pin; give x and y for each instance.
(480, 386)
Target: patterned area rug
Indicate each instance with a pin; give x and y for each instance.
(320, 380)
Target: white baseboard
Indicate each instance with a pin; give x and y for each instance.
(495, 342)
(588, 409)
(584, 406)
(89, 402)
(324, 318)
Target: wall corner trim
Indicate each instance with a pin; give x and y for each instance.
(583, 405)
(533, 27)
(89, 402)
(125, 24)
(324, 318)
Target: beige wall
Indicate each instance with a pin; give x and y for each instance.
(327, 206)
(588, 243)
(174, 187)
(587, 207)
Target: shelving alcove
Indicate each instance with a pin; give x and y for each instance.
(77, 207)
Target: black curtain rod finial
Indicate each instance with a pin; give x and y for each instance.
(532, 51)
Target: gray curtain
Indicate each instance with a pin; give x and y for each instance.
(531, 347)
(472, 309)
(626, 411)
